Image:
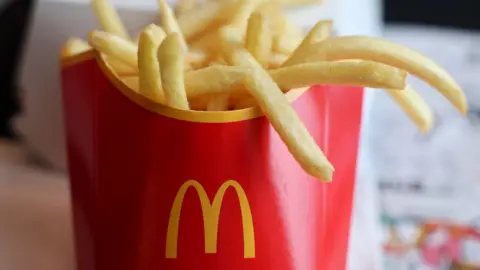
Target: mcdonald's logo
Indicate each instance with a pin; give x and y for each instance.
(211, 214)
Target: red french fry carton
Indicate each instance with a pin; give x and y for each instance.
(159, 188)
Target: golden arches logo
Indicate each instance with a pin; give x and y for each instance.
(211, 215)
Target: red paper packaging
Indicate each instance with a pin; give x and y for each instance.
(159, 188)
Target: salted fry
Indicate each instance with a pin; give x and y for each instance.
(74, 46)
(281, 115)
(259, 39)
(379, 50)
(214, 80)
(170, 23)
(218, 103)
(114, 46)
(108, 18)
(353, 73)
(414, 106)
(170, 58)
(149, 69)
(319, 32)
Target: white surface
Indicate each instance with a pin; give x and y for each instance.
(35, 229)
(445, 162)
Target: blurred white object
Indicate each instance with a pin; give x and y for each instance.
(431, 178)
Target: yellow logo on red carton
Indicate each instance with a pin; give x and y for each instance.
(211, 215)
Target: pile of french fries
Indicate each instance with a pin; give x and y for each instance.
(236, 54)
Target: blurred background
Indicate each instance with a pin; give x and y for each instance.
(417, 196)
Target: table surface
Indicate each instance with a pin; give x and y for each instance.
(35, 228)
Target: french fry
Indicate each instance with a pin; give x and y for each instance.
(196, 59)
(414, 106)
(244, 103)
(170, 58)
(209, 43)
(199, 103)
(170, 23)
(243, 11)
(279, 112)
(382, 51)
(119, 67)
(287, 37)
(199, 21)
(319, 32)
(218, 103)
(114, 46)
(74, 46)
(131, 82)
(276, 60)
(353, 73)
(184, 6)
(149, 69)
(259, 39)
(218, 62)
(214, 80)
(108, 18)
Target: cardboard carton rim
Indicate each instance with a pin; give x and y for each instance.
(186, 115)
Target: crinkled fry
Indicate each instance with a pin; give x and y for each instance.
(353, 73)
(149, 69)
(414, 106)
(259, 39)
(170, 58)
(108, 18)
(382, 51)
(321, 31)
(281, 115)
(114, 46)
(170, 23)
